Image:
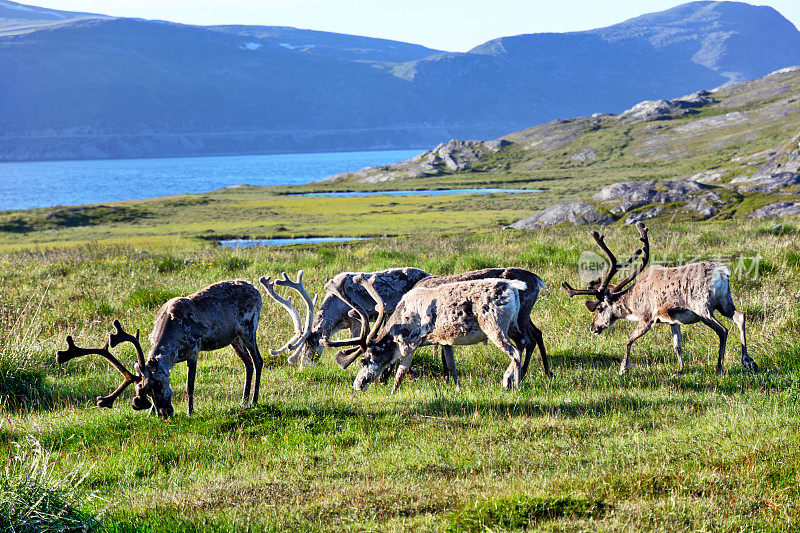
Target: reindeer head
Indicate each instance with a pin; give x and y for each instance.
(305, 347)
(606, 306)
(148, 377)
(377, 354)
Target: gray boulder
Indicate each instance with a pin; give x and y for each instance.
(777, 209)
(624, 197)
(576, 213)
(666, 109)
(587, 154)
(653, 212)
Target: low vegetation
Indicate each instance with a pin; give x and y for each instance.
(586, 450)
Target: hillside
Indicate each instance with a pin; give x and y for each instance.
(740, 138)
(111, 87)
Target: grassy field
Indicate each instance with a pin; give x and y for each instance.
(587, 450)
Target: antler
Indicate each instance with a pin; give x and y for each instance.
(345, 358)
(598, 287)
(362, 315)
(120, 335)
(576, 292)
(613, 267)
(73, 351)
(644, 251)
(269, 285)
(380, 307)
(310, 305)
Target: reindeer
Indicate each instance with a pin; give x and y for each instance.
(222, 314)
(458, 313)
(335, 314)
(675, 296)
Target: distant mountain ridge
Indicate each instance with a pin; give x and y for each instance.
(77, 85)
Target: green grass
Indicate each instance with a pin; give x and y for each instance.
(587, 450)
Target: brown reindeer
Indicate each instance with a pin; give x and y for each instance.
(222, 314)
(675, 296)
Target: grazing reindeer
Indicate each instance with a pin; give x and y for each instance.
(222, 314)
(334, 314)
(458, 313)
(676, 295)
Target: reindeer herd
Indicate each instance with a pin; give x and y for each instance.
(407, 309)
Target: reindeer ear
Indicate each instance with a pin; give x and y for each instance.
(591, 305)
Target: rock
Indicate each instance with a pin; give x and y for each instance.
(780, 172)
(627, 196)
(452, 156)
(644, 215)
(777, 209)
(495, 145)
(587, 154)
(577, 213)
(665, 109)
(771, 183)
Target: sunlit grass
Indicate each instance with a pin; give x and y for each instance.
(586, 450)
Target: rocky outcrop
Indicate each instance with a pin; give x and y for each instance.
(576, 213)
(777, 209)
(452, 156)
(782, 171)
(640, 200)
(782, 181)
(622, 198)
(666, 109)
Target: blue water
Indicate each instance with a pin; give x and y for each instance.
(429, 192)
(49, 183)
(249, 243)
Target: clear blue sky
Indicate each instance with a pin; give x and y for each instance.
(454, 25)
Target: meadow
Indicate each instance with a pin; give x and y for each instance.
(586, 450)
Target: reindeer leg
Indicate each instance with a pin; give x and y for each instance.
(240, 349)
(192, 371)
(676, 344)
(642, 328)
(722, 333)
(449, 363)
(747, 361)
(539, 340)
(500, 338)
(405, 364)
(257, 360)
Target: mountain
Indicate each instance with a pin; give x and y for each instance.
(732, 151)
(85, 86)
(18, 18)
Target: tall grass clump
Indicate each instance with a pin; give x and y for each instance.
(35, 497)
(22, 376)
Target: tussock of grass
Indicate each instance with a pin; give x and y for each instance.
(36, 497)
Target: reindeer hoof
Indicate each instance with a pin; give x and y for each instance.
(750, 364)
(104, 402)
